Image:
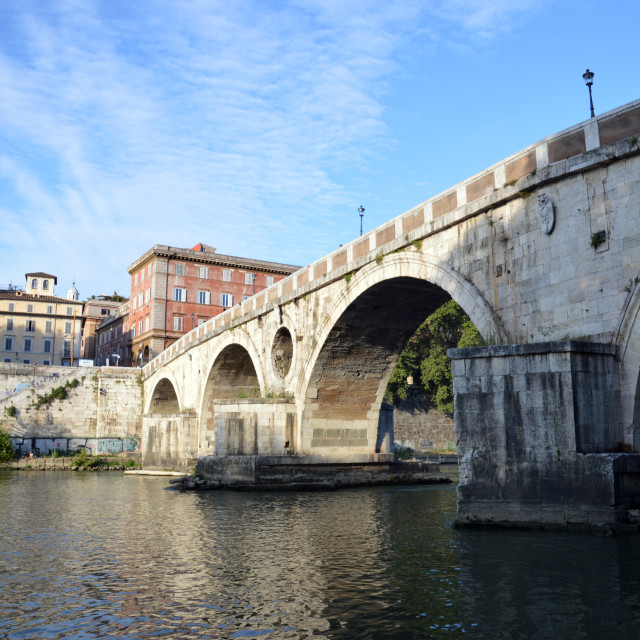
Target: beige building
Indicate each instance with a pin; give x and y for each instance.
(38, 327)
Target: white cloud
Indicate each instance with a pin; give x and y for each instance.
(130, 124)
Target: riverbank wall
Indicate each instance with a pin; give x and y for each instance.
(66, 409)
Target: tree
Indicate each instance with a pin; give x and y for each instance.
(425, 356)
(7, 452)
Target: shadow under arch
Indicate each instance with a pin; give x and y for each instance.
(360, 340)
(232, 375)
(164, 398)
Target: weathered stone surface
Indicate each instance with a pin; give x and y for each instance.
(302, 472)
(537, 444)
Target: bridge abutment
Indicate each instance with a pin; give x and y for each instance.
(539, 435)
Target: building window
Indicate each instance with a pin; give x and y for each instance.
(66, 349)
(248, 278)
(179, 294)
(9, 324)
(146, 323)
(46, 362)
(29, 308)
(47, 346)
(27, 344)
(26, 361)
(8, 344)
(142, 276)
(147, 296)
(177, 323)
(204, 272)
(226, 300)
(50, 309)
(30, 325)
(67, 327)
(105, 312)
(140, 302)
(179, 268)
(7, 359)
(45, 285)
(69, 311)
(269, 281)
(12, 306)
(135, 302)
(139, 327)
(149, 269)
(226, 275)
(135, 279)
(48, 326)
(34, 284)
(133, 331)
(204, 297)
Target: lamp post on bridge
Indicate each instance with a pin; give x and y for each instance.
(361, 212)
(587, 76)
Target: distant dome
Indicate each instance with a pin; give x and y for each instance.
(73, 294)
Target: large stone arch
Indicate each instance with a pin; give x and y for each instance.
(165, 397)
(628, 349)
(359, 340)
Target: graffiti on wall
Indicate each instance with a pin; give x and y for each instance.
(93, 446)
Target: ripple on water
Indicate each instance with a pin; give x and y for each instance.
(109, 556)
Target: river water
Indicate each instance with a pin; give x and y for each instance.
(103, 555)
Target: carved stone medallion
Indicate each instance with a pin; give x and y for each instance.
(547, 213)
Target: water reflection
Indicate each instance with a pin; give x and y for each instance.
(108, 556)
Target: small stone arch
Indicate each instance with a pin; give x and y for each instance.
(232, 374)
(282, 351)
(164, 398)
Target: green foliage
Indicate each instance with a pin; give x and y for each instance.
(379, 258)
(425, 356)
(7, 452)
(58, 393)
(598, 238)
(11, 411)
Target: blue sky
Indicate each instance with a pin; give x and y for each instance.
(260, 127)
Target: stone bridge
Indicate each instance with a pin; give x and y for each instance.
(542, 251)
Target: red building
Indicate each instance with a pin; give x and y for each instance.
(174, 290)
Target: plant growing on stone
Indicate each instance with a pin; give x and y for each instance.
(631, 284)
(598, 238)
(7, 452)
(11, 411)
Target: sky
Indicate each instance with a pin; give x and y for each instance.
(260, 127)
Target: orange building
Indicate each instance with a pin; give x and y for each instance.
(174, 290)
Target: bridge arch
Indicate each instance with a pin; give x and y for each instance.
(360, 337)
(165, 396)
(233, 372)
(628, 349)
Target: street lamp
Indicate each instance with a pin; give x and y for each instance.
(361, 212)
(587, 76)
(117, 357)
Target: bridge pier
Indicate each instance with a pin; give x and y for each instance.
(539, 436)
